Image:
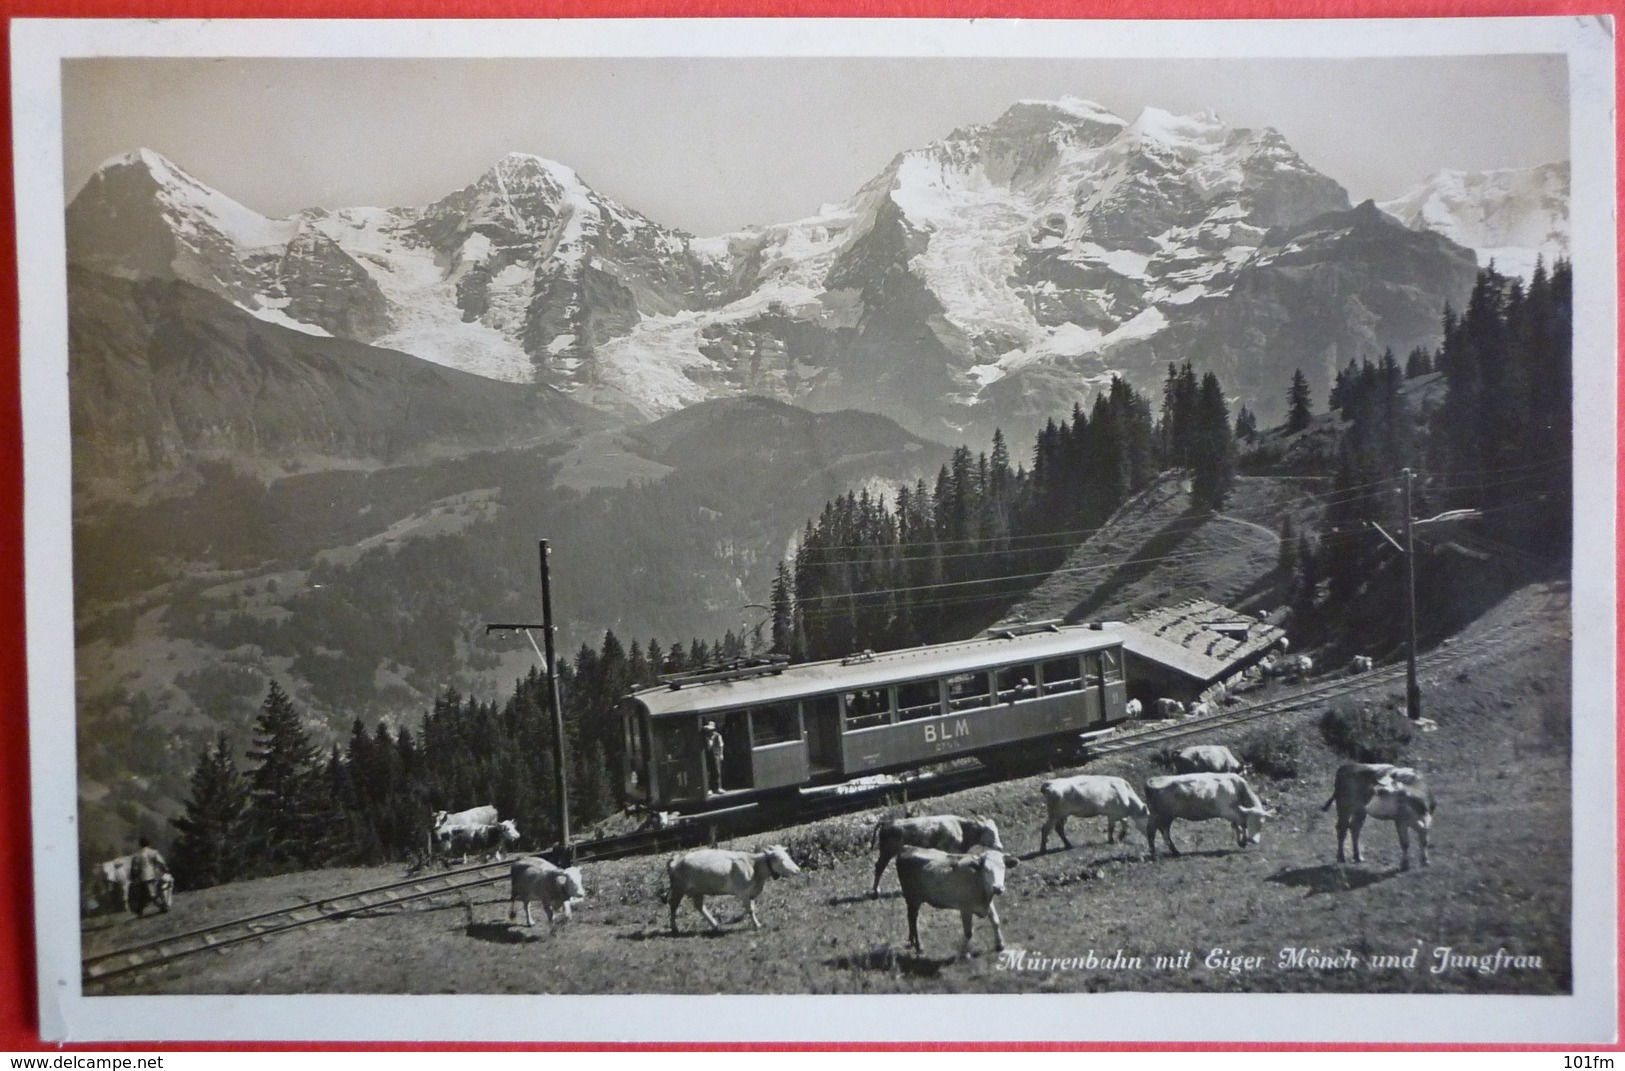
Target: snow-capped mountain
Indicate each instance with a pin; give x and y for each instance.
(995, 276)
(1510, 216)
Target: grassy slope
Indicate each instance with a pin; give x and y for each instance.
(1499, 766)
(1155, 550)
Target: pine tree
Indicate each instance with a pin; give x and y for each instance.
(207, 852)
(1213, 447)
(286, 795)
(1297, 402)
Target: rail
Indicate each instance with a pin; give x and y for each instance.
(96, 969)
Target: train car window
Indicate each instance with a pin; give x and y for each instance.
(1062, 675)
(1112, 658)
(921, 699)
(1091, 667)
(967, 691)
(777, 724)
(1017, 682)
(868, 707)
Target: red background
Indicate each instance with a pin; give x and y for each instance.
(19, 1019)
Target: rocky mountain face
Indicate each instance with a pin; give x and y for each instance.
(989, 279)
(1511, 216)
(166, 375)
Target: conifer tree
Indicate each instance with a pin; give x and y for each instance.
(208, 850)
(1297, 402)
(287, 797)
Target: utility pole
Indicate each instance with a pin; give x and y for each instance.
(561, 788)
(1413, 692)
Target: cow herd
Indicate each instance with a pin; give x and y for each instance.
(959, 864)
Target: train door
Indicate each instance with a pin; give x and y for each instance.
(1113, 689)
(735, 729)
(679, 771)
(822, 716)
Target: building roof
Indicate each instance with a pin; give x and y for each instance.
(1199, 639)
(914, 663)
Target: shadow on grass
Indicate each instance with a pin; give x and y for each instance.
(890, 961)
(1329, 878)
(664, 933)
(501, 933)
(863, 898)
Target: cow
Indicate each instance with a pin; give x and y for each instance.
(944, 832)
(474, 816)
(1207, 758)
(109, 884)
(1359, 664)
(1301, 666)
(556, 888)
(718, 872)
(1170, 708)
(1133, 708)
(964, 883)
(1380, 790)
(1198, 797)
(1198, 709)
(462, 839)
(1090, 796)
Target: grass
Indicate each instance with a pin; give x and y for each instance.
(1503, 725)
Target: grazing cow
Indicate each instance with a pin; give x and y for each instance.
(1359, 664)
(474, 816)
(1090, 796)
(944, 832)
(1379, 790)
(1133, 708)
(967, 884)
(1198, 709)
(1170, 708)
(536, 879)
(109, 884)
(1198, 797)
(717, 872)
(1300, 666)
(1207, 758)
(463, 839)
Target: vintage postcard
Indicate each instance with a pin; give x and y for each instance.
(1095, 518)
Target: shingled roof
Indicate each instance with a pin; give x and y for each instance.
(1200, 639)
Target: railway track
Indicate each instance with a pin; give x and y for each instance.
(458, 882)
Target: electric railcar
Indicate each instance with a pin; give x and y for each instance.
(788, 726)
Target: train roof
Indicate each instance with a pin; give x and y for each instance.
(913, 663)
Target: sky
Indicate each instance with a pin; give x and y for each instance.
(712, 145)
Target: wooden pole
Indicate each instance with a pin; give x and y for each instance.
(560, 782)
(1413, 691)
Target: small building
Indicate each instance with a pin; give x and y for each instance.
(1182, 651)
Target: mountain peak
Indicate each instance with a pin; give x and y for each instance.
(1201, 130)
(1072, 108)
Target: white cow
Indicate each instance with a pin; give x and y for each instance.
(1198, 797)
(1301, 666)
(718, 872)
(1206, 758)
(1133, 708)
(556, 888)
(109, 884)
(1359, 664)
(967, 884)
(474, 816)
(1090, 796)
(1198, 709)
(944, 832)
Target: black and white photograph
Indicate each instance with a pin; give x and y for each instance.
(1116, 515)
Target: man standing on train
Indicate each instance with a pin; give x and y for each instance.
(713, 758)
